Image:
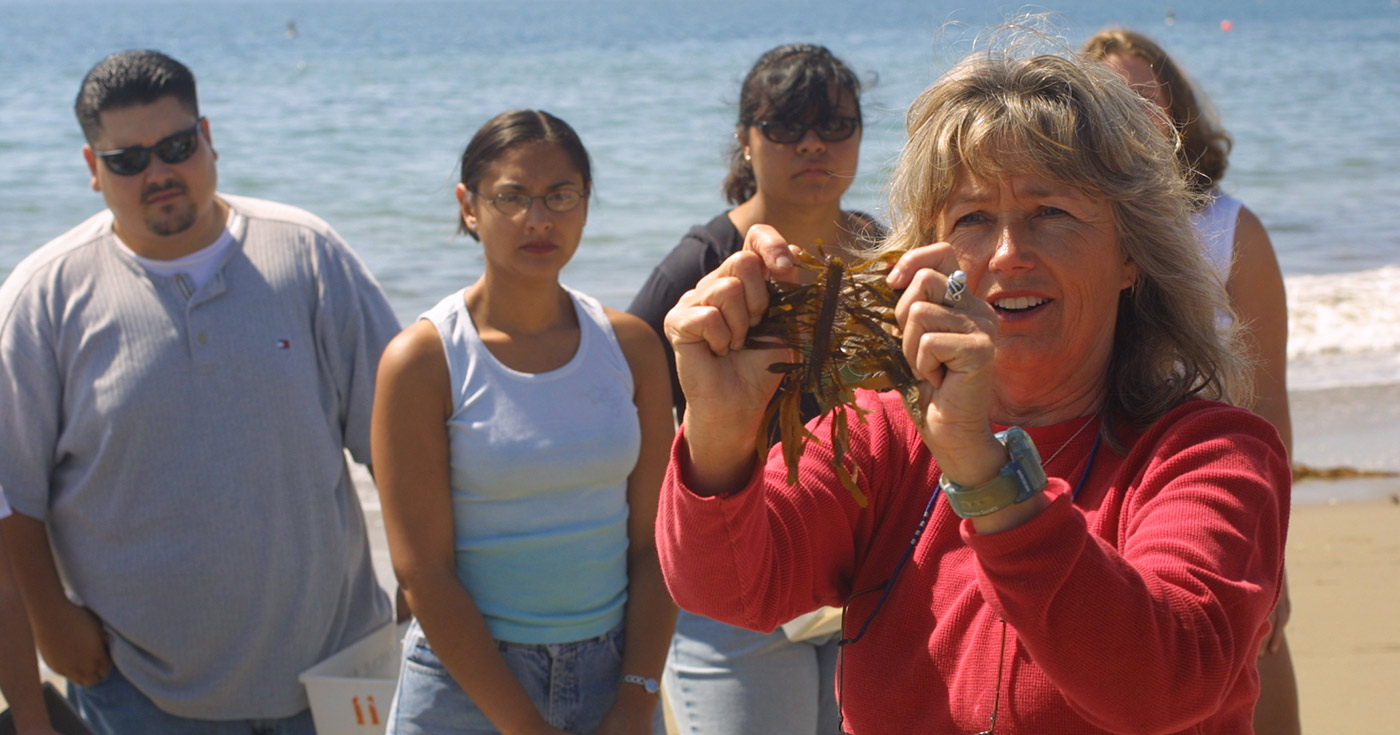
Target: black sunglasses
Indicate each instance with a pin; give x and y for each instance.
(831, 130)
(174, 148)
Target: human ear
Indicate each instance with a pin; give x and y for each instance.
(1131, 274)
(91, 159)
(741, 134)
(209, 139)
(466, 202)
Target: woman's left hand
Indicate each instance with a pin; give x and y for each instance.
(950, 347)
(631, 713)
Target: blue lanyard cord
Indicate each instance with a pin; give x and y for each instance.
(889, 585)
(1098, 439)
(914, 542)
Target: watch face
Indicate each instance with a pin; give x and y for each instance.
(1027, 460)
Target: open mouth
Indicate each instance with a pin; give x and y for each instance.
(1019, 304)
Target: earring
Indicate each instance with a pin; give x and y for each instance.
(747, 157)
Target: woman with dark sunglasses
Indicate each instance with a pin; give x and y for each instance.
(797, 141)
(519, 435)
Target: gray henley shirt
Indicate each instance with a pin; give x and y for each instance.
(186, 449)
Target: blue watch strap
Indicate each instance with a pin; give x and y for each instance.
(1021, 478)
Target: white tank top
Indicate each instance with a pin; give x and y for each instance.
(539, 468)
(1215, 226)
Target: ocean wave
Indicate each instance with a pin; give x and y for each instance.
(1343, 313)
(1344, 328)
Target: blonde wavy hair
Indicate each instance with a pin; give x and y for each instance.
(1075, 122)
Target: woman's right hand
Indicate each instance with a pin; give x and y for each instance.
(727, 387)
(951, 348)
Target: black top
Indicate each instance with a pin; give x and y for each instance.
(699, 252)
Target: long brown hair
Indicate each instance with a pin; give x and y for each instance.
(1205, 146)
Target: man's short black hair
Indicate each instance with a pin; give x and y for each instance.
(127, 78)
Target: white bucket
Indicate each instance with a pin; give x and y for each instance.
(351, 691)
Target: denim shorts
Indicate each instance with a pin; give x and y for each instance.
(571, 684)
(113, 706)
(722, 680)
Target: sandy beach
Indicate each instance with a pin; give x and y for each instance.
(1344, 561)
(1344, 572)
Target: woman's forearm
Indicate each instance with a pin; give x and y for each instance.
(715, 461)
(649, 622)
(19, 666)
(650, 616)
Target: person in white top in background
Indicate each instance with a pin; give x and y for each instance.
(1238, 246)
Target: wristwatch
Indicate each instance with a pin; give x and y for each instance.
(645, 682)
(1021, 478)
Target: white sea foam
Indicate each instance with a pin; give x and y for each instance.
(1344, 329)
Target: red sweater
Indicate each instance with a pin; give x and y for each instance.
(1137, 608)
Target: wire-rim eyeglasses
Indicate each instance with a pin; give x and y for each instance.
(513, 203)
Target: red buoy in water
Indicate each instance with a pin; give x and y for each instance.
(1227, 26)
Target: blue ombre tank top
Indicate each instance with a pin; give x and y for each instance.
(539, 469)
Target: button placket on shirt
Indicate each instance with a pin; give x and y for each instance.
(199, 327)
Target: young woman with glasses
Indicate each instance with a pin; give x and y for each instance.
(519, 437)
(797, 141)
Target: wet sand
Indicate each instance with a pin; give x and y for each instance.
(1344, 574)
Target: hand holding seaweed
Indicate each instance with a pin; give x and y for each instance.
(843, 330)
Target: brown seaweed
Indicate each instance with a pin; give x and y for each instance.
(843, 328)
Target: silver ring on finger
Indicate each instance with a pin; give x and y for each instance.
(957, 286)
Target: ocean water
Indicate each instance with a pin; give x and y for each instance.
(361, 115)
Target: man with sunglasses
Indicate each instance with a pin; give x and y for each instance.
(181, 375)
